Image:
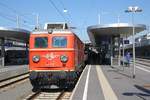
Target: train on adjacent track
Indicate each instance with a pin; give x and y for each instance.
(56, 56)
(16, 56)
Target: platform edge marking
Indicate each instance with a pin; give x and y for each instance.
(78, 83)
(86, 85)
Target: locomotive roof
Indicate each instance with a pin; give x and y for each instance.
(54, 31)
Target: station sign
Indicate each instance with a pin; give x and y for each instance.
(126, 41)
(8, 44)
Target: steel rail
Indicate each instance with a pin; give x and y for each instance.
(13, 80)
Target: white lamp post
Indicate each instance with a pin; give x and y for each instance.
(133, 10)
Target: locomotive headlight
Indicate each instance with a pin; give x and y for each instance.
(63, 58)
(36, 58)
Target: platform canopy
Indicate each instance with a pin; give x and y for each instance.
(15, 34)
(98, 32)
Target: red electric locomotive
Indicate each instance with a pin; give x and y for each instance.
(56, 56)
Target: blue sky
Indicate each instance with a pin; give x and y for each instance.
(81, 13)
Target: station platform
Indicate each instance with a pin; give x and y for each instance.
(11, 71)
(101, 82)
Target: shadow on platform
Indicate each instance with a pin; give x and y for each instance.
(143, 94)
(120, 71)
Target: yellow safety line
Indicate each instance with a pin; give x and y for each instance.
(106, 88)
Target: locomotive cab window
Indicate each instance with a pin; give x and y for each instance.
(59, 41)
(41, 42)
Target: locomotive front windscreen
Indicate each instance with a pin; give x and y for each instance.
(41, 42)
(59, 41)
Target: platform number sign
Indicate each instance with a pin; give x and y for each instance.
(126, 41)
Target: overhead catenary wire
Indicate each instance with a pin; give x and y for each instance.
(62, 3)
(70, 17)
(58, 11)
(26, 21)
(65, 8)
(14, 11)
(3, 15)
(12, 19)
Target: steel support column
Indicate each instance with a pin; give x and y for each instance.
(111, 50)
(119, 58)
(2, 52)
(123, 51)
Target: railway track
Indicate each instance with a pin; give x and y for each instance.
(145, 62)
(49, 95)
(13, 81)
